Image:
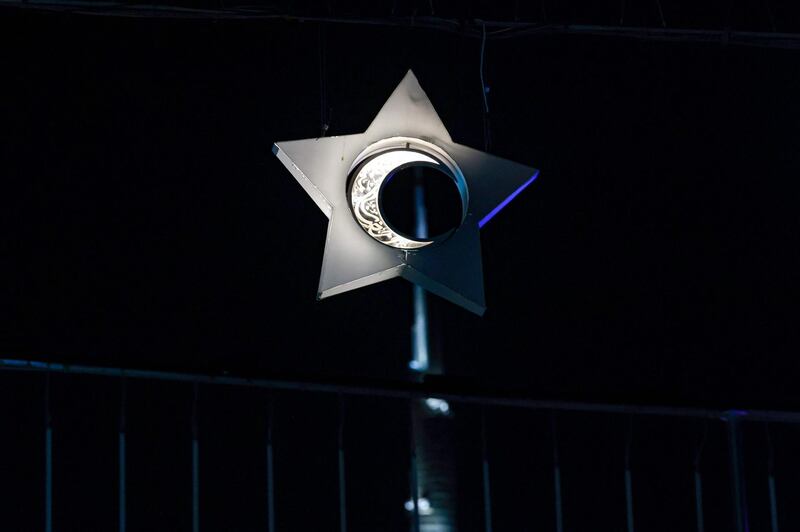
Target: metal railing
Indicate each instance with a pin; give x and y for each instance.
(733, 419)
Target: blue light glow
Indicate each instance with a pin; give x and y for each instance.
(507, 200)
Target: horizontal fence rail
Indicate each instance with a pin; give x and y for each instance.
(399, 390)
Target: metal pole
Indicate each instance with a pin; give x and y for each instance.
(270, 473)
(737, 472)
(420, 359)
(773, 505)
(415, 526)
(48, 459)
(195, 466)
(487, 495)
(342, 493)
(698, 500)
(557, 475)
(122, 495)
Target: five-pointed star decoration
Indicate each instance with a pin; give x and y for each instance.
(344, 175)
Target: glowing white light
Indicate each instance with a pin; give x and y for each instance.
(423, 506)
(366, 188)
(437, 405)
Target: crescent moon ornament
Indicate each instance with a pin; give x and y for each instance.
(345, 175)
(365, 190)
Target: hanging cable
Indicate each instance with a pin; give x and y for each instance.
(484, 91)
(661, 14)
(324, 116)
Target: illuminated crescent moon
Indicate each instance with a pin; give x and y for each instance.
(365, 191)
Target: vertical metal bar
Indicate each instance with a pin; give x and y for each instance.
(342, 493)
(773, 503)
(628, 478)
(48, 459)
(419, 331)
(415, 525)
(270, 473)
(557, 475)
(195, 466)
(698, 501)
(698, 481)
(122, 481)
(629, 500)
(487, 495)
(737, 472)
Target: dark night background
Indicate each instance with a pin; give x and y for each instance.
(145, 223)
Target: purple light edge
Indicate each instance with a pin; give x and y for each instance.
(507, 200)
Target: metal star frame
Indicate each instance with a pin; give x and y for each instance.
(358, 250)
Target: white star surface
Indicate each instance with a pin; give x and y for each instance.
(353, 259)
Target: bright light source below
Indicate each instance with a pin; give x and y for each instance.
(423, 505)
(437, 405)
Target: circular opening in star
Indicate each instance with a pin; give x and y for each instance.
(421, 202)
(416, 222)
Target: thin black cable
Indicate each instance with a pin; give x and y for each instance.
(483, 83)
(484, 91)
(323, 85)
(769, 16)
(661, 14)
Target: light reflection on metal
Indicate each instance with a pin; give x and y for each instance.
(357, 253)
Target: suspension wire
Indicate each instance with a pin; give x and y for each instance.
(324, 115)
(483, 83)
(661, 14)
(484, 91)
(769, 16)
